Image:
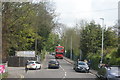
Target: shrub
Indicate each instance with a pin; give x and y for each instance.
(95, 59)
(5, 75)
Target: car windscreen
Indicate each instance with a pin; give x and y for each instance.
(81, 63)
(59, 48)
(114, 70)
(37, 62)
(30, 62)
(59, 53)
(53, 62)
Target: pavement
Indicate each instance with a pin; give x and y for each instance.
(16, 72)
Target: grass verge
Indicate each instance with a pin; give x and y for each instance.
(5, 75)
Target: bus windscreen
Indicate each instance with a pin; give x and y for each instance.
(59, 53)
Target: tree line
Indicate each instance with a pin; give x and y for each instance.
(84, 41)
(24, 24)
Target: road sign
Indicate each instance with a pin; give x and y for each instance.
(25, 53)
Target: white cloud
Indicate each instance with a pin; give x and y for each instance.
(72, 10)
(106, 9)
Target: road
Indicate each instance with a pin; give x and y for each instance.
(65, 71)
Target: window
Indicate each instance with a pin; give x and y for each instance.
(59, 53)
(53, 62)
(59, 48)
(37, 63)
(82, 63)
(30, 62)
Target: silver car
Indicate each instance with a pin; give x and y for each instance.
(113, 73)
(81, 66)
(109, 73)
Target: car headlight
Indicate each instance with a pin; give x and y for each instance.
(87, 68)
(78, 67)
(56, 63)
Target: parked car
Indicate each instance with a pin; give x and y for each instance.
(109, 73)
(53, 64)
(33, 65)
(81, 66)
(53, 53)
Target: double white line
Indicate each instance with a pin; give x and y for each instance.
(64, 72)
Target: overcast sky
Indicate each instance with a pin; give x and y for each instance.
(74, 10)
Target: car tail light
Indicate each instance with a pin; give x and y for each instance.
(33, 64)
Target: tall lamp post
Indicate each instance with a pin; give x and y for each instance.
(102, 39)
(71, 48)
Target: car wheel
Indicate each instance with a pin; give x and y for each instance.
(76, 70)
(40, 67)
(36, 68)
(26, 68)
(107, 78)
(87, 71)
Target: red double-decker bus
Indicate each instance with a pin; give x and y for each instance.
(59, 50)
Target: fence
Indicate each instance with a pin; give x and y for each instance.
(14, 61)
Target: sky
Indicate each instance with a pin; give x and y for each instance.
(72, 11)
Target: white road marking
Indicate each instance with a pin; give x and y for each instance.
(64, 72)
(21, 76)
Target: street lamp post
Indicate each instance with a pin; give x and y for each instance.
(102, 39)
(71, 47)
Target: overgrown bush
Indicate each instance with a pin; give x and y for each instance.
(113, 57)
(5, 75)
(95, 60)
